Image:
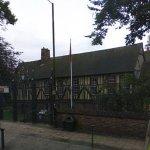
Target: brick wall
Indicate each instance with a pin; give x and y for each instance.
(108, 125)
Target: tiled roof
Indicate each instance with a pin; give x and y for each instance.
(116, 60)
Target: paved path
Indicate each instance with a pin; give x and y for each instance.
(20, 136)
(32, 142)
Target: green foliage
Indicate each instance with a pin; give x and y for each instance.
(6, 16)
(147, 100)
(8, 58)
(8, 61)
(143, 87)
(140, 91)
(131, 96)
(131, 13)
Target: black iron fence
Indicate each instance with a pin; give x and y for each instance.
(33, 102)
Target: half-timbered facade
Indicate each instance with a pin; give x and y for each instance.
(97, 72)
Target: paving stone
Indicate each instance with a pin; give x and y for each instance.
(36, 136)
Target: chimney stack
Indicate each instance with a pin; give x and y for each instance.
(45, 54)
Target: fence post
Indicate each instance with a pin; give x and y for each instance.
(147, 140)
(14, 96)
(51, 102)
(2, 139)
(34, 115)
(92, 137)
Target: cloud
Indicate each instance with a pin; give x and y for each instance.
(33, 29)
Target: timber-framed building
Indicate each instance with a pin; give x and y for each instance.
(102, 71)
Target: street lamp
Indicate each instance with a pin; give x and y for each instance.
(53, 73)
(53, 35)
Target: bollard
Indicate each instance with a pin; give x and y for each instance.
(2, 139)
(92, 137)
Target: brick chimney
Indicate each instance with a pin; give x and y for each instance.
(45, 54)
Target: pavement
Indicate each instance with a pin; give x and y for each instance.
(26, 136)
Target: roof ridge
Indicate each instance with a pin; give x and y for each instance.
(82, 53)
(109, 49)
(115, 60)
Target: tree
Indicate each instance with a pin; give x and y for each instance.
(8, 58)
(134, 14)
(8, 61)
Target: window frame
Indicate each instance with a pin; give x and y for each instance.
(60, 87)
(75, 86)
(111, 79)
(93, 84)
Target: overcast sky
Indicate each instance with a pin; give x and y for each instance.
(72, 19)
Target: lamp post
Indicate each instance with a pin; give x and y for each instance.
(53, 35)
(14, 94)
(53, 73)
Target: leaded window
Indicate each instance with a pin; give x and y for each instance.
(111, 79)
(94, 83)
(46, 87)
(60, 87)
(111, 90)
(112, 87)
(75, 86)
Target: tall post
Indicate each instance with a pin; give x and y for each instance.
(92, 137)
(34, 116)
(53, 34)
(54, 82)
(54, 69)
(2, 139)
(71, 96)
(14, 96)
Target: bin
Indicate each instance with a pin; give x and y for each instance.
(69, 123)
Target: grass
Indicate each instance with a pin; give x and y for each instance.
(148, 147)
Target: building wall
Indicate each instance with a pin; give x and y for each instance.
(87, 87)
(139, 66)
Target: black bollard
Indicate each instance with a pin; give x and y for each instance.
(92, 138)
(2, 139)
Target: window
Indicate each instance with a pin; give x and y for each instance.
(112, 87)
(75, 85)
(111, 79)
(46, 87)
(94, 82)
(60, 87)
(111, 90)
(137, 74)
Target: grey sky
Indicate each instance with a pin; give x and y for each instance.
(72, 19)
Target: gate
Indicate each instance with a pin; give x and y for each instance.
(32, 102)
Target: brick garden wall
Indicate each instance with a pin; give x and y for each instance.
(109, 125)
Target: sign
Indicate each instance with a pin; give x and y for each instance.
(4, 89)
